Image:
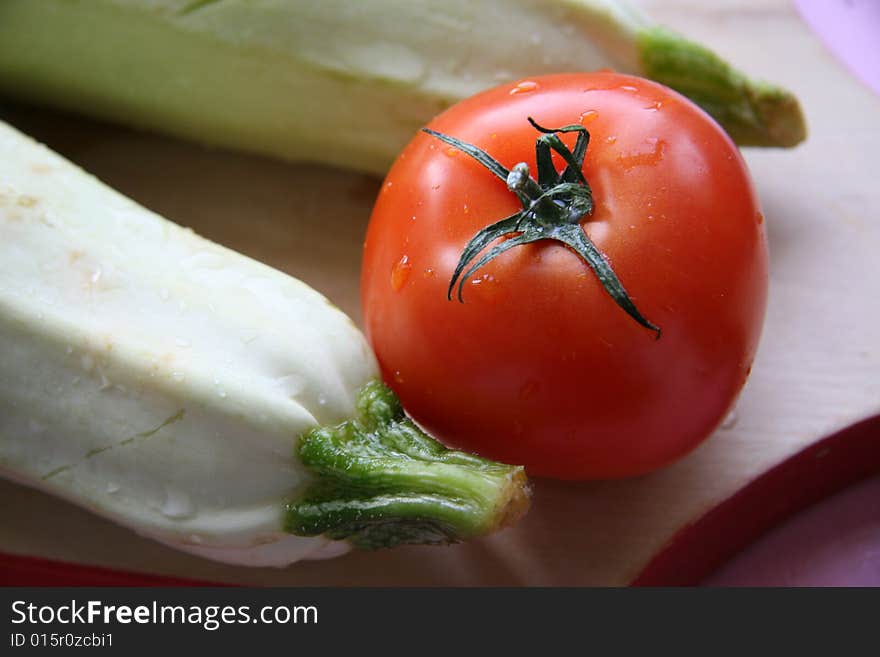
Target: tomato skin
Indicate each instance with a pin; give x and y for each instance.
(539, 366)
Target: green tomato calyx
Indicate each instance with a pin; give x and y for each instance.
(553, 207)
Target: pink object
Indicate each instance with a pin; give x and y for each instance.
(833, 543)
(851, 30)
(703, 550)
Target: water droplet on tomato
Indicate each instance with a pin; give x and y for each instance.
(524, 87)
(451, 151)
(529, 389)
(398, 377)
(429, 272)
(400, 273)
(628, 87)
(487, 287)
(649, 154)
(610, 139)
(654, 106)
(589, 116)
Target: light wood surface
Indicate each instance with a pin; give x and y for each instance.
(818, 367)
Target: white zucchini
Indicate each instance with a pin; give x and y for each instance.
(341, 81)
(164, 382)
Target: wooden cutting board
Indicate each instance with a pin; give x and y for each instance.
(818, 368)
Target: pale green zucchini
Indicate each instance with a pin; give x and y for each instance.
(345, 82)
(202, 398)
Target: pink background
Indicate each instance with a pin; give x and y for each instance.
(851, 30)
(833, 543)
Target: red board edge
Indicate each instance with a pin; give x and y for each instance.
(20, 570)
(818, 471)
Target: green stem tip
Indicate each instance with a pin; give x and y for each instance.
(381, 481)
(753, 113)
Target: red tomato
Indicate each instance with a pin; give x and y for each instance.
(538, 365)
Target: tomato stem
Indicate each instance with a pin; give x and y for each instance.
(553, 207)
